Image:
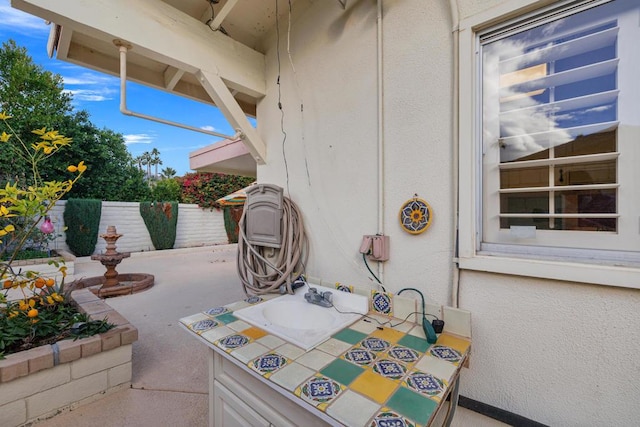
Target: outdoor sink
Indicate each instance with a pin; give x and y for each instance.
(306, 325)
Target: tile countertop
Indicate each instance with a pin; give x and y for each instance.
(362, 374)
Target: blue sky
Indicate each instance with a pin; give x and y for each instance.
(99, 94)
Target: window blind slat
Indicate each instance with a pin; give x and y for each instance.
(590, 158)
(577, 46)
(570, 76)
(566, 104)
(612, 186)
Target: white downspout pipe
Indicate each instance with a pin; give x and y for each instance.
(124, 47)
(455, 18)
(380, 132)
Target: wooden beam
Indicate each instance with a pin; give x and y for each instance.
(160, 32)
(227, 104)
(172, 76)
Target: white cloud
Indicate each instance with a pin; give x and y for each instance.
(138, 138)
(89, 95)
(21, 22)
(209, 128)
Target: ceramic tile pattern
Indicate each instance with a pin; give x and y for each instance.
(364, 375)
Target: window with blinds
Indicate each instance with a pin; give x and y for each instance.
(550, 99)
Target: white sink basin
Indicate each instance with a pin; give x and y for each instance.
(306, 325)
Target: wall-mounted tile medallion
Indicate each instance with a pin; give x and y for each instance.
(381, 303)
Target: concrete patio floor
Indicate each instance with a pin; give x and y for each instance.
(170, 374)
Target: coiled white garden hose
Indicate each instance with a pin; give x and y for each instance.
(260, 275)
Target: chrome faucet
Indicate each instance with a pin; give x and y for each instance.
(323, 299)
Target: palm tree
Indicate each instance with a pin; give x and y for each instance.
(169, 172)
(146, 161)
(139, 160)
(155, 160)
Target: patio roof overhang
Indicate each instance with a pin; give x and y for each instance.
(175, 46)
(228, 156)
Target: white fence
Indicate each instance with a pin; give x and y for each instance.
(196, 227)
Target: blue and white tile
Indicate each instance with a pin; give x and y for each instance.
(268, 364)
(204, 325)
(375, 344)
(389, 369)
(360, 356)
(403, 354)
(382, 303)
(215, 311)
(232, 342)
(426, 384)
(445, 353)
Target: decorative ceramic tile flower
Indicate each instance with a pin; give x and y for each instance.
(360, 356)
(387, 418)
(425, 383)
(446, 353)
(203, 325)
(216, 311)
(268, 364)
(404, 354)
(389, 369)
(232, 342)
(382, 303)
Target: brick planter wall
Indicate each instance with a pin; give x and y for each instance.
(40, 382)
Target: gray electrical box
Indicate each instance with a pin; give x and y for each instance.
(263, 215)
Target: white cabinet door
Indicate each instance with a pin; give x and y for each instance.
(230, 411)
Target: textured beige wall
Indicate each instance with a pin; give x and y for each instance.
(557, 352)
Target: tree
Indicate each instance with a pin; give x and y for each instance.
(204, 189)
(155, 160)
(168, 172)
(36, 98)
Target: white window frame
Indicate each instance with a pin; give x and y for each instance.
(589, 265)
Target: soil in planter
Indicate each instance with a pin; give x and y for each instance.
(63, 321)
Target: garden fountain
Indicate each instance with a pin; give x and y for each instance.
(114, 283)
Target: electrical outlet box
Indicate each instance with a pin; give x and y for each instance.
(376, 247)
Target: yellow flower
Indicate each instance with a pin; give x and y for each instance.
(4, 116)
(9, 228)
(63, 271)
(47, 150)
(72, 168)
(5, 137)
(39, 131)
(81, 166)
(32, 313)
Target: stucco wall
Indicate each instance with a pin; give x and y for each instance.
(558, 353)
(196, 227)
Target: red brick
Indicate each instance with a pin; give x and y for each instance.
(14, 366)
(40, 358)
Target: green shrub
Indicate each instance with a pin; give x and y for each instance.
(82, 219)
(166, 189)
(161, 219)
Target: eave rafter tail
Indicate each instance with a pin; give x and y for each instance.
(161, 33)
(224, 100)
